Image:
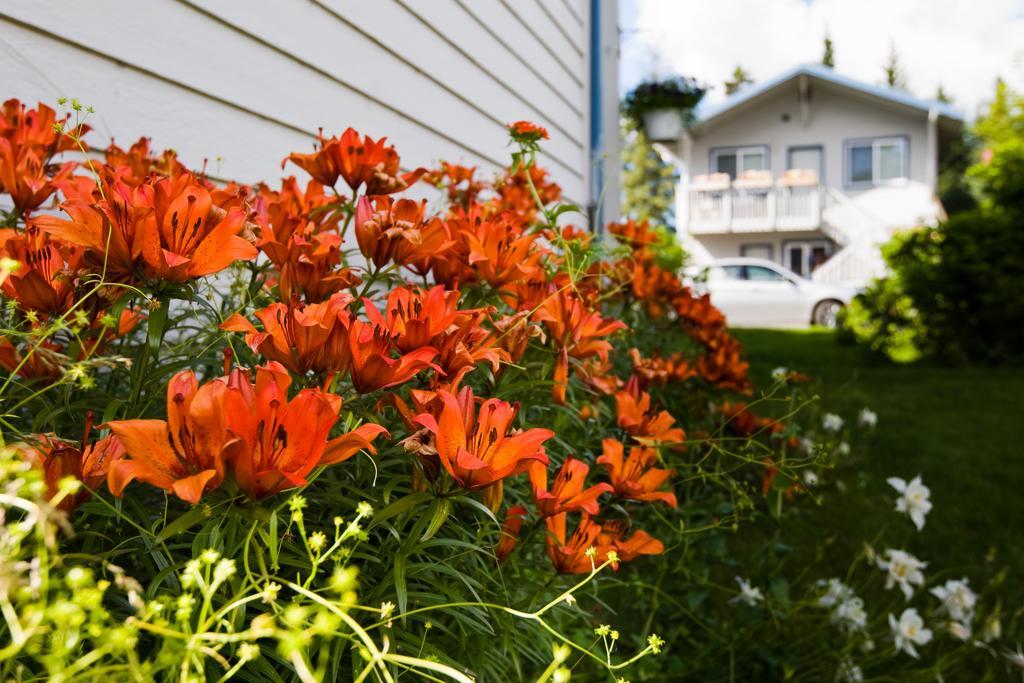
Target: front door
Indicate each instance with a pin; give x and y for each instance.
(804, 257)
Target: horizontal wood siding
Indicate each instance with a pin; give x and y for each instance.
(248, 82)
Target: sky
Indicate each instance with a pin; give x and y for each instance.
(964, 45)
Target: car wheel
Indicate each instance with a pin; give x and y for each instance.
(826, 314)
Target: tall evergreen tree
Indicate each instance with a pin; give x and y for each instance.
(648, 181)
(828, 58)
(894, 76)
(740, 77)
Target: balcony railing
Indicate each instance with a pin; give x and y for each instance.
(755, 202)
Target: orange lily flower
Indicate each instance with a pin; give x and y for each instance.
(577, 331)
(111, 229)
(416, 317)
(628, 549)
(723, 365)
(23, 176)
(267, 441)
(309, 267)
(140, 162)
(510, 532)
(44, 282)
(571, 556)
(458, 181)
(432, 318)
(301, 337)
(183, 454)
(515, 195)
(367, 161)
(372, 366)
(527, 131)
(660, 370)
(567, 493)
(464, 344)
(47, 361)
(282, 214)
(498, 251)
(188, 236)
(397, 232)
(635, 478)
(170, 224)
(29, 138)
(515, 332)
(279, 442)
(633, 409)
(636, 234)
(59, 459)
(481, 449)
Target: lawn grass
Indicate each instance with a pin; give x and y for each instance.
(960, 428)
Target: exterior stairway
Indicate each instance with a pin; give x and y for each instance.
(860, 236)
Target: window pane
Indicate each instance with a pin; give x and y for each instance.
(763, 274)
(726, 163)
(753, 161)
(795, 260)
(733, 272)
(860, 164)
(890, 161)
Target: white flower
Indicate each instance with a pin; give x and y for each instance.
(1015, 658)
(843, 448)
(913, 500)
(748, 594)
(959, 631)
(957, 598)
(779, 373)
(867, 417)
(849, 672)
(832, 422)
(909, 631)
(850, 615)
(903, 568)
(810, 478)
(807, 444)
(837, 592)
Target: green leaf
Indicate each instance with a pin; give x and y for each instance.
(401, 591)
(272, 545)
(400, 505)
(194, 516)
(441, 507)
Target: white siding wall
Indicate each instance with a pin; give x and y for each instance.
(835, 116)
(245, 83)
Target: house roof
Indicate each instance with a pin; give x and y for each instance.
(708, 111)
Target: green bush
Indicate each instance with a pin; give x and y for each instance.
(954, 293)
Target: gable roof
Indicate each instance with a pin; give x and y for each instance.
(708, 111)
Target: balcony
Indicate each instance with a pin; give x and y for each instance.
(755, 202)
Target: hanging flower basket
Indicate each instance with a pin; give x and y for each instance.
(663, 109)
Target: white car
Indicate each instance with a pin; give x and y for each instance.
(754, 292)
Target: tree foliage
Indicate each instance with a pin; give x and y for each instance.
(828, 58)
(740, 78)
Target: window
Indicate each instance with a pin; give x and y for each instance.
(876, 161)
(762, 274)
(736, 160)
(721, 273)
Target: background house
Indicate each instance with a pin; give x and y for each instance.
(244, 83)
(812, 170)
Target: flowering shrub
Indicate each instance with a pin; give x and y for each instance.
(326, 432)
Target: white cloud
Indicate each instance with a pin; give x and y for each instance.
(961, 44)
